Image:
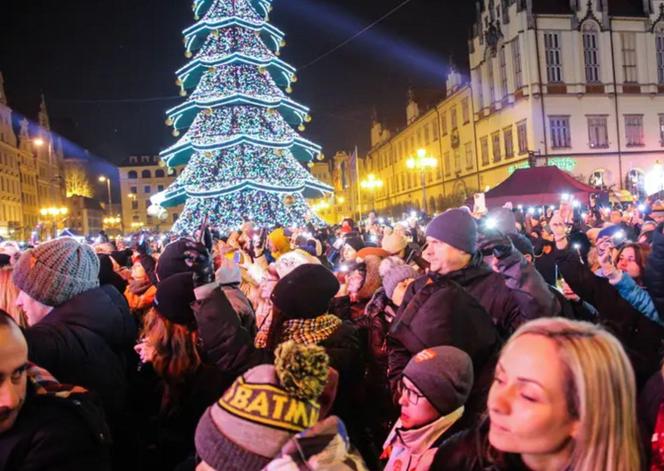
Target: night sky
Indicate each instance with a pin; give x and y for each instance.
(107, 67)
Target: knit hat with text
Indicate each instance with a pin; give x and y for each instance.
(56, 271)
(264, 408)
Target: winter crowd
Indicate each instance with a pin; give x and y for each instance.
(505, 341)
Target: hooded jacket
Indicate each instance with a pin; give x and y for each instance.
(87, 341)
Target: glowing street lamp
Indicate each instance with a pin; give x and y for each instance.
(38, 142)
(371, 184)
(422, 163)
(105, 179)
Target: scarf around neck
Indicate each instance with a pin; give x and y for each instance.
(310, 331)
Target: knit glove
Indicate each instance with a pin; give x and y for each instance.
(496, 243)
(198, 258)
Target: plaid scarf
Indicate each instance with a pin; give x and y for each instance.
(308, 331)
(43, 383)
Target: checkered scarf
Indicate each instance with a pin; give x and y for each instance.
(44, 383)
(308, 331)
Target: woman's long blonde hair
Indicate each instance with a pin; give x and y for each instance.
(8, 294)
(601, 393)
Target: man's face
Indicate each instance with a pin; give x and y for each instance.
(443, 258)
(34, 310)
(13, 381)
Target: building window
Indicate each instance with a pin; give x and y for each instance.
(465, 111)
(634, 129)
(659, 41)
(160, 188)
(159, 173)
(147, 204)
(480, 89)
(146, 174)
(457, 161)
(492, 84)
(436, 132)
(133, 190)
(484, 150)
(503, 72)
(427, 136)
(509, 142)
(629, 57)
(147, 189)
(448, 166)
(132, 175)
(560, 132)
(591, 51)
(516, 57)
(661, 129)
(522, 136)
(495, 146)
(470, 158)
(597, 132)
(443, 124)
(174, 217)
(134, 204)
(554, 71)
(453, 118)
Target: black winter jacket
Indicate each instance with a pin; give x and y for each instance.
(86, 341)
(641, 337)
(57, 434)
(488, 287)
(654, 273)
(443, 313)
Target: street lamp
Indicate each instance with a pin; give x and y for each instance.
(422, 163)
(38, 142)
(371, 184)
(102, 179)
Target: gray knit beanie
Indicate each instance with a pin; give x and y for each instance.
(56, 271)
(444, 375)
(455, 227)
(396, 275)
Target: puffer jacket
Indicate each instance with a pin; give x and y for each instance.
(636, 296)
(87, 341)
(443, 313)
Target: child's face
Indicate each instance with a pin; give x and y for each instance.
(416, 410)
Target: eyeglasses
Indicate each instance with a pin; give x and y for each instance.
(412, 396)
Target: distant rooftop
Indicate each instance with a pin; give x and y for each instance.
(140, 161)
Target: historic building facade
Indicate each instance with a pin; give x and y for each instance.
(576, 84)
(142, 176)
(31, 175)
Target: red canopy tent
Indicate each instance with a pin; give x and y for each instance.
(537, 186)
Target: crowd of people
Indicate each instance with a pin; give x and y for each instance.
(513, 340)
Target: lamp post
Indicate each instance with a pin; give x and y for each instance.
(371, 184)
(422, 163)
(102, 179)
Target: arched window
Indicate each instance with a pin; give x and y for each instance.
(132, 175)
(590, 33)
(146, 174)
(159, 173)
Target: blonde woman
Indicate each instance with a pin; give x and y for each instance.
(8, 295)
(563, 399)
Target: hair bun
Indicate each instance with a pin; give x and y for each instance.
(302, 369)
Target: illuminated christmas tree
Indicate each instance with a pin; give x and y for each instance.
(243, 157)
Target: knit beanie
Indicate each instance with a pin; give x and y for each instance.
(291, 260)
(444, 375)
(246, 428)
(395, 274)
(455, 227)
(372, 279)
(280, 241)
(306, 292)
(174, 297)
(56, 271)
(394, 243)
(172, 259)
(375, 251)
(355, 242)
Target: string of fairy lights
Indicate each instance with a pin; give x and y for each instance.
(243, 157)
